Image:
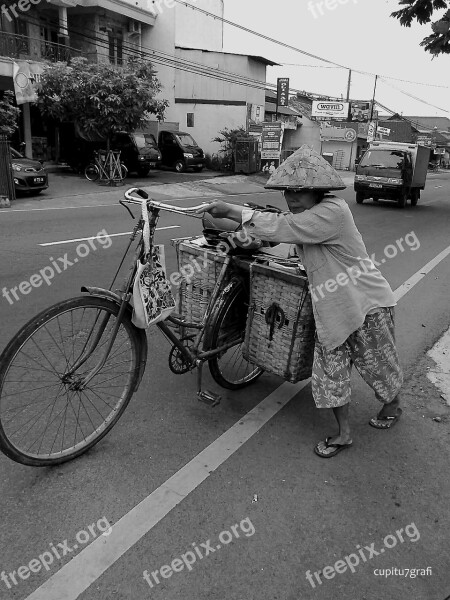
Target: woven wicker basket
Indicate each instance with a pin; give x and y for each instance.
(280, 327)
(199, 268)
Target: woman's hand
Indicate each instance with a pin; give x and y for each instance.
(216, 209)
(222, 210)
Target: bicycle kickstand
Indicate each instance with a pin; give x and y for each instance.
(210, 398)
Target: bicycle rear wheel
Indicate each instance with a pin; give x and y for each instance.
(91, 172)
(123, 171)
(229, 368)
(47, 415)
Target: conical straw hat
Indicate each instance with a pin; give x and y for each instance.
(305, 169)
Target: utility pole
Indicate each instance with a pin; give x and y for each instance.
(349, 84)
(373, 98)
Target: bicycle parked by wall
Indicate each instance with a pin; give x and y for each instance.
(99, 169)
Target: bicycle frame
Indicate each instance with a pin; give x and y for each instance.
(193, 355)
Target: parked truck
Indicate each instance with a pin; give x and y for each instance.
(392, 171)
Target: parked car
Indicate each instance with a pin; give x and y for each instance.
(180, 151)
(29, 175)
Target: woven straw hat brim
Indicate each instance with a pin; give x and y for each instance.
(305, 169)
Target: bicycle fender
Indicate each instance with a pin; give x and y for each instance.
(108, 295)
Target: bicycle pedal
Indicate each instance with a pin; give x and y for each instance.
(209, 398)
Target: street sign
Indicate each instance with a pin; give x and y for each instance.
(283, 91)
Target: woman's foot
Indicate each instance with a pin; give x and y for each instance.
(332, 446)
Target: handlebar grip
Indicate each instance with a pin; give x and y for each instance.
(142, 194)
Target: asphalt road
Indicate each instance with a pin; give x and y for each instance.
(292, 512)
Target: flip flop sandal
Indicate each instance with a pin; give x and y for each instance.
(385, 422)
(337, 448)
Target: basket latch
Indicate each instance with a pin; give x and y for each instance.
(273, 314)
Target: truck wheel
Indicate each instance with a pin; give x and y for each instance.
(180, 166)
(402, 199)
(415, 195)
(359, 197)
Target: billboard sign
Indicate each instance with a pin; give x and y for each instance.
(360, 111)
(283, 91)
(323, 110)
(26, 76)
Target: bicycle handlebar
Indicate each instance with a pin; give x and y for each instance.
(189, 211)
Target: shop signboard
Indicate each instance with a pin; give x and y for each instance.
(283, 91)
(383, 130)
(424, 140)
(337, 134)
(26, 77)
(271, 142)
(323, 110)
(371, 132)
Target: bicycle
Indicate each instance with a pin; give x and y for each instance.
(96, 170)
(70, 372)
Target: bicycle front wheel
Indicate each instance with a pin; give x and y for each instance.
(229, 368)
(91, 172)
(48, 415)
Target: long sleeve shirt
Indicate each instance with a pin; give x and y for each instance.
(344, 283)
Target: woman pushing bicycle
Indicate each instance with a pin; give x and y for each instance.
(352, 302)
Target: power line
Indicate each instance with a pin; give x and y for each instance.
(278, 42)
(412, 96)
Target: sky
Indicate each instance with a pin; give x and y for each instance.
(359, 34)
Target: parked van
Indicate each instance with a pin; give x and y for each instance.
(138, 151)
(180, 151)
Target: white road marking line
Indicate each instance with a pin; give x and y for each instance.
(54, 208)
(440, 376)
(414, 280)
(109, 235)
(5, 212)
(76, 576)
(85, 568)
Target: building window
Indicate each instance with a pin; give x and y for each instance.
(190, 120)
(21, 27)
(115, 49)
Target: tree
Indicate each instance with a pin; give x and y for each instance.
(228, 137)
(9, 115)
(101, 99)
(422, 11)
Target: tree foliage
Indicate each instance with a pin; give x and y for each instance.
(422, 11)
(101, 98)
(9, 115)
(228, 137)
